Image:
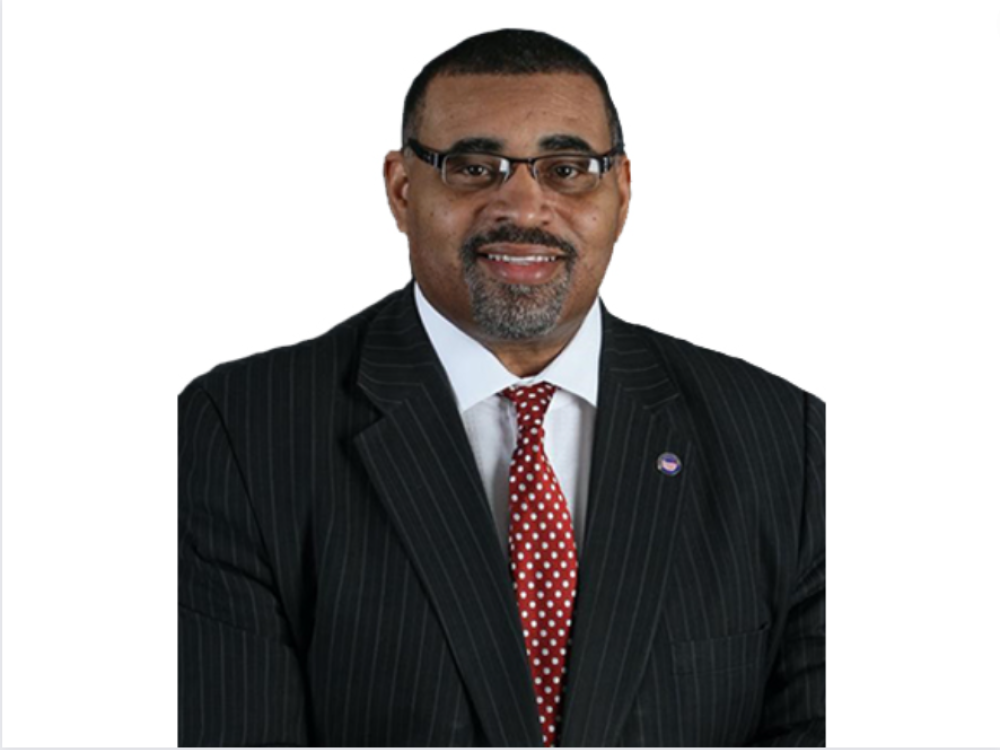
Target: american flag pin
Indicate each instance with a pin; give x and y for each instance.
(668, 463)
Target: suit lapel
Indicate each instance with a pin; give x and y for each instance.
(420, 461)
(631, 525)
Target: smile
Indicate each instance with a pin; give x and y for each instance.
(522, 260)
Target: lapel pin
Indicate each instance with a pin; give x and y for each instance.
(668, 463)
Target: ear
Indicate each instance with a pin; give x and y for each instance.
(623, 175)
(397, 187)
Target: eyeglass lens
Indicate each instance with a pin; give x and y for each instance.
(561, 173)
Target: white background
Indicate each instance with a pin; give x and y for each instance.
(816, 190)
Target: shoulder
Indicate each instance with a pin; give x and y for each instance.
(287, 370)
(751, 425)
(713, 383)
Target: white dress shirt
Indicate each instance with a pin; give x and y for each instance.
(477, 377)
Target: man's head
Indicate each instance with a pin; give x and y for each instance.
(505, 256)
(507, 52)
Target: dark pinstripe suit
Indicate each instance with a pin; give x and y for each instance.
(341, 581)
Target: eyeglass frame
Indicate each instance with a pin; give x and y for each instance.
(436, 159)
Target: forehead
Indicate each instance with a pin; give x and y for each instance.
(516, 110)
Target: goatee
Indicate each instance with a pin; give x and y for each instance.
(516, 311)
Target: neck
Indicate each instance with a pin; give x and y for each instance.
(523, 358)
(527, 358)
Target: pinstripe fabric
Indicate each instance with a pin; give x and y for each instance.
(342, 582)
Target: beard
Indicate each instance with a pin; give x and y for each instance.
(516, 311)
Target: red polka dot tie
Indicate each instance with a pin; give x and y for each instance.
(542, 554)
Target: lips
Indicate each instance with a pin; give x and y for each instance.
(521, 265)
(521, 260)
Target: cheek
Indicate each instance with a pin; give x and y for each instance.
(597, 233)
(438, 227)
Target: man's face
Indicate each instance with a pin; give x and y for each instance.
(471, 252)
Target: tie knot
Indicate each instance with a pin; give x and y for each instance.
(531, 401)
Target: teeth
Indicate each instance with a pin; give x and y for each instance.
(523, 260)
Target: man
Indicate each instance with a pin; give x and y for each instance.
(484, 510)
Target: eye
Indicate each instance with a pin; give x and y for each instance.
(569, 169)
(565, 171)
(471, 170)
(475, 170)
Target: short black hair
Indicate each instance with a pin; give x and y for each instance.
(508, 52)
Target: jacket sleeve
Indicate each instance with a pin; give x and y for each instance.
(240, 680)
(794, 710)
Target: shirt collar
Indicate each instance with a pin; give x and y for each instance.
(475, 373)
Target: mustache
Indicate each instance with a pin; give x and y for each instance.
(516, 235)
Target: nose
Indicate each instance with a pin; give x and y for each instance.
(521, 199)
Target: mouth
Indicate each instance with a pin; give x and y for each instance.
(512, 264)
(520, 260)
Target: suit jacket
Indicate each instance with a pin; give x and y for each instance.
(342, 583)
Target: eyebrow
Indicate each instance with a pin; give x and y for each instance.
(477, 145)
(565, 142)
(555, 142)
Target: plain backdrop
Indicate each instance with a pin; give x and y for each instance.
(816, 190)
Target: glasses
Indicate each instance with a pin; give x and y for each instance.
(567, 174)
